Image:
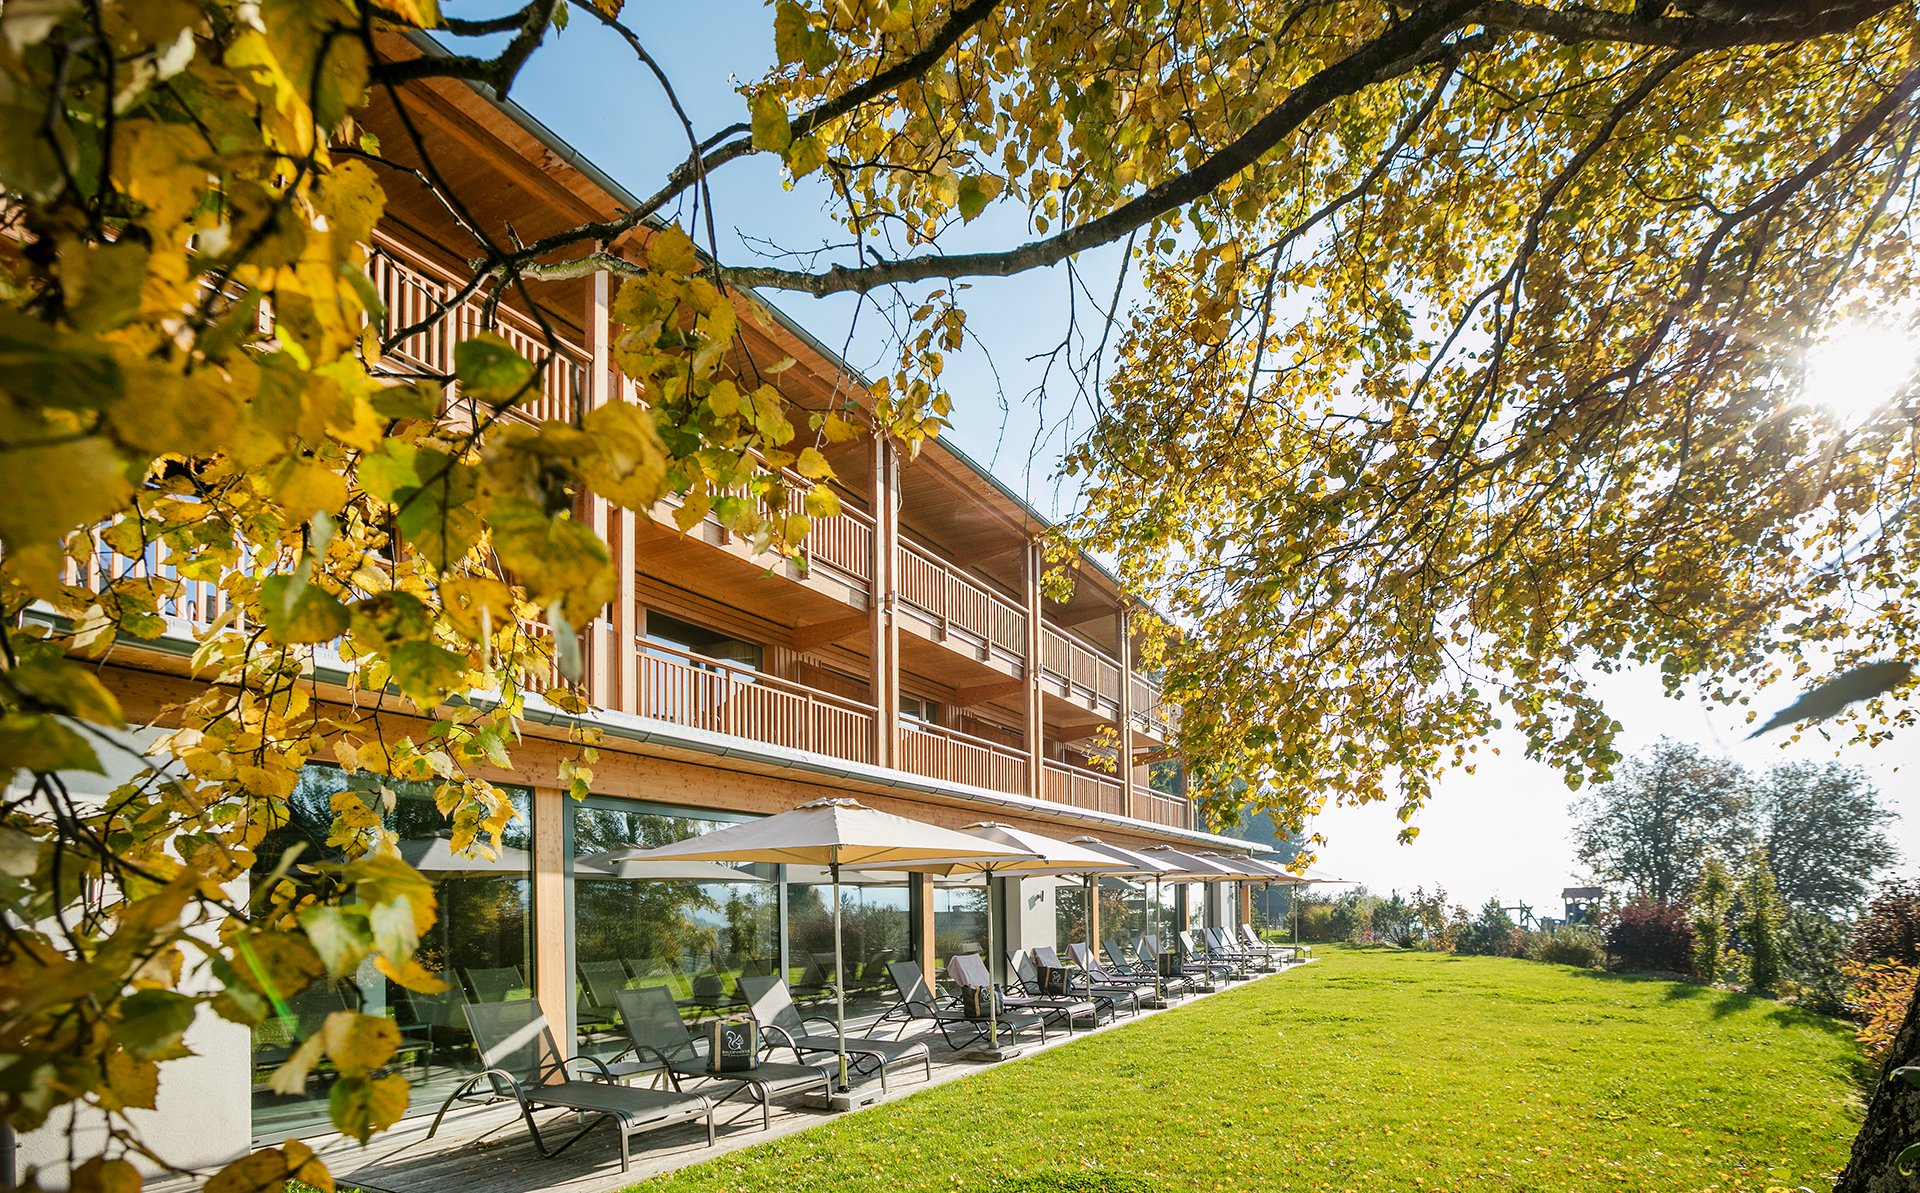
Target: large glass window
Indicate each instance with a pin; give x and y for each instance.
(683, 926)
(959, 923)
(1070, 912)
(875, 918)
(480, 945)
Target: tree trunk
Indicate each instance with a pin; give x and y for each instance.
(1893, 1121)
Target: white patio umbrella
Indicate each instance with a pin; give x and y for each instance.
(1139, 865)
(1047, 855)
(436, 856)
(1267, 874)
(618, 863)
(838, 832)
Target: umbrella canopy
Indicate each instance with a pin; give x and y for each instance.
(435, 856)
(834, 832)
(1138, 864)
(614, 863)
(1253, 869)
(1188, 868)
(1048, 855)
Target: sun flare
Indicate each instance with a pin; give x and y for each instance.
(1859, 368)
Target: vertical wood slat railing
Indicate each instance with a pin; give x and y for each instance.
(1158, 808)
(844, 542)
(1081, 788)
(941, 753)
(721, 697)
(1150, 710)
(946, 596)
(196, 605)
(1078, 669)
(413, 290)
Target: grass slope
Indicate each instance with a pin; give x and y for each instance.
(1372, 1069)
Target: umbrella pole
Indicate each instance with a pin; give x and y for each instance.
(993, 994)
(839, 977)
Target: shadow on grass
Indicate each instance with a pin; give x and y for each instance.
(1854, 1065)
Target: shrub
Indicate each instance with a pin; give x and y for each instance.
(1352, 917)
(1890, 929)
(1760, 917)
(1879, 993)
(1491, 934)
(1316, 922)
(1811, 949)
(1394, 922)
(1572, 944)
(1439, 925)
(1651, 937)
(1712, 904)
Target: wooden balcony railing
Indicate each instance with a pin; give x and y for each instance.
(190, 606)
(844, 542)
(1156, 808)
(413, 290)
(940, 753)
(953, 603)
(1078, 671)
(1150, 713)
(1081, 788)
(722, 697)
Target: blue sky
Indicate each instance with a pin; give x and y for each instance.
(1500, 832)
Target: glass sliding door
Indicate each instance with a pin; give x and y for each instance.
(686, 927)
(480, 944)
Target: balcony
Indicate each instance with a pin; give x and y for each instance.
(1081, 788)
(720, 697)
(939, 753)
(413, 290)
(949, 606)
(1073, 670)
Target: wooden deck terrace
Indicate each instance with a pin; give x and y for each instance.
(488, 1149)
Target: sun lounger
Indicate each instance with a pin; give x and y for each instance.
(969, 970)
(772, 1006)
(1126, 993)
(961, 1030)
(521, 1060)
(1193, 951)
(1288, 952)
(1143, 970)
(661, 1045)
(1219, 941)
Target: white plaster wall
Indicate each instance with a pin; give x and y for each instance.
(203, 1115)
(1031, 914)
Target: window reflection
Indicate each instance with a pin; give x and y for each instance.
(675, 925)
(875, 920)
(480, 945)
(959, 923)
(1070, 912)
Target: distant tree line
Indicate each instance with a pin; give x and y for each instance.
(1765, 881)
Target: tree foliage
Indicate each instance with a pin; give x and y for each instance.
(1822, 828)
(1760, 919)
(1651, 828)
(1711, 904)
(1457, 367)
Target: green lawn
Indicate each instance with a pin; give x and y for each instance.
(1371, 1070)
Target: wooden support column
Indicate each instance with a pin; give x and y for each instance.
(552, 951)
(602, 641)
(1123, 760)
(1036, 722)
(923, 930)
(1246, 902)
(883, 625)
